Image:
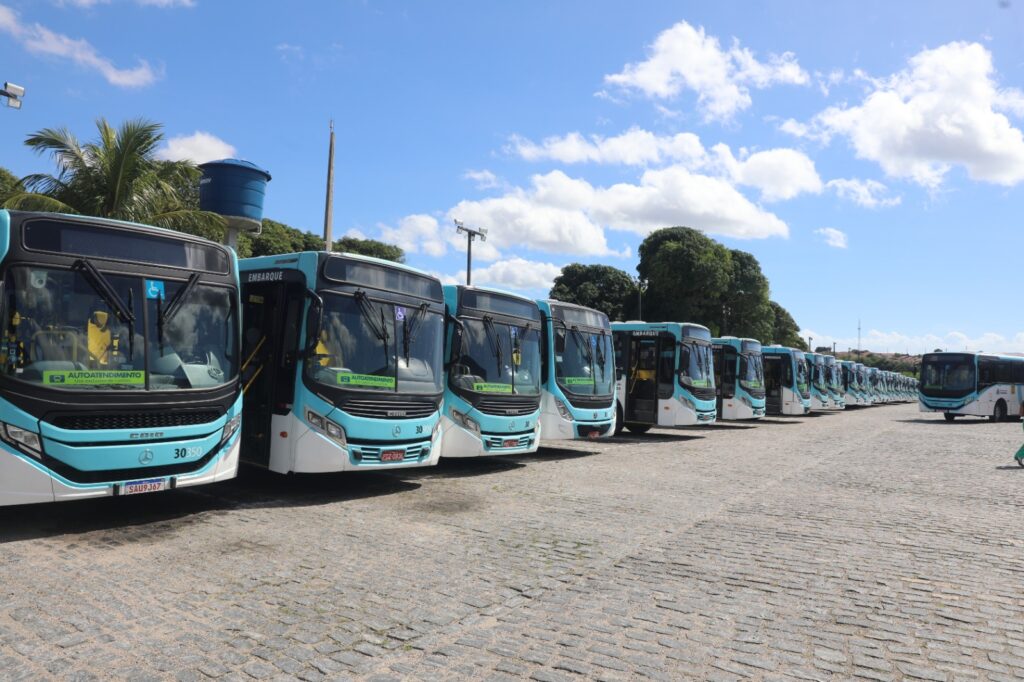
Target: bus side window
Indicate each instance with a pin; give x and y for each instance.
(787, 378)
(666, 371)
(619, 360)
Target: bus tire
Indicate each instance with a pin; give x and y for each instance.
(618, 419)
(1020, 463)
(999, 412)
(949, 417)
(638, 428)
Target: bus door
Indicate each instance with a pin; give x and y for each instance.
(271, 320)
(773, 373)
(641, 380)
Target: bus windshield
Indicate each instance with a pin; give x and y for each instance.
(497, 357)
(82, 330)
(372, 345)
(751, 371)
(801, 375)
(818, 376)
(948, 375)
(584, 362)
(695, 364)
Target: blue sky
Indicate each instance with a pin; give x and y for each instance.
(869, 154)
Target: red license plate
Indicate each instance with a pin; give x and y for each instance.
(392, 455)
(510, 443)
(593, 435)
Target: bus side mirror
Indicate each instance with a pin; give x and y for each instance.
(458, 331)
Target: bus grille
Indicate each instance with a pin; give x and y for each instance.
(511, 441)
(134, 420)
(508, 406)
(601, 402)
(703, 393)
(389, 409)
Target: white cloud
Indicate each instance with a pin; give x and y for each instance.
(289, 53)
(898, 342)
(833, 237)
(686, 58)
(944, 110)
(419, 233)
(635, 147)
(199, 147)
(484, 179)
(516, 273)
(38, 39)
(866, 193)
(777, 173)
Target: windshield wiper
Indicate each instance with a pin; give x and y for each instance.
(164, 315)
(601, 357)
(495, 341)
(106, 291)
(381, 332)
(409, 331)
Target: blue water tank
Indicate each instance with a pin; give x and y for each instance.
(234, 189)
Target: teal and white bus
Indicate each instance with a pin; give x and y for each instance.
(834, 374)
(853, 388)
(821, 399)
(978, 384)
(666, 375)
(119, 359)
(342, 363)
(739, 378)
(493, 390)
(787, 388)
(577, 371)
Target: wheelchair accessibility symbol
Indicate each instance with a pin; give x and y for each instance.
(154, 289)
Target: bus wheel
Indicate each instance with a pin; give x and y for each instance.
(949, 417)
(999, 412)
(638, 428)
(1020, 462)
(618, 420)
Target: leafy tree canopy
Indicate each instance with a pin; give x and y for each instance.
(369, 247)
(600, 287)
(687, 277)
(785, 331)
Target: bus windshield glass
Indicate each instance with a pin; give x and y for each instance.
(751, 371)
(82, 330)
(584, 362)
(696, 368)
(372, 345)
(948, 375)
(818, 376)
(497, 357)
(801, 374)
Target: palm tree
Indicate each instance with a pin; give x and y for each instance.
(118, 176)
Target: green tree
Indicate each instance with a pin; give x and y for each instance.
(9, 185)
(116, 176)
(785, 330)
(370, 247)
(600, 287)
(687, 275)
(747, 308)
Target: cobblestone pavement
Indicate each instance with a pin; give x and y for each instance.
(878, 544)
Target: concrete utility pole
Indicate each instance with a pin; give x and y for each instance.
(471, 234)
(858, 339)
(329, 209)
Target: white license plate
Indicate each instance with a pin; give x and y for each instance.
(146, 485)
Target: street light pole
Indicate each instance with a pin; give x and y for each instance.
(13, 93)
(471, 234)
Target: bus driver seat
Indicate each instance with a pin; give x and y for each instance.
(100, 339)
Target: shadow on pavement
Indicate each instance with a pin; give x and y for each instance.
(463, 467)
(626, 438)
(550, 454)
(254, 488)
(774, 421)
(1010, 467)
(942, 422)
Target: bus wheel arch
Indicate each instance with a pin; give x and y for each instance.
(999, 411)
(949, 416)
(638, 428)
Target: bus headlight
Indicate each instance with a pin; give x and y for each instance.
(686, 402)
(325, 426)
(22, 440)
(230, 428)
(465, 421)
(563, 411)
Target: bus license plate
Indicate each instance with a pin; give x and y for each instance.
(593, 435)
(392, 455)
(146, 485)
(510, 443)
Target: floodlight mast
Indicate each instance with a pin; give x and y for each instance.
(13, 93)
(471, 234)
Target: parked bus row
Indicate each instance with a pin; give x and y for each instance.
(137, 359)
(676, 374)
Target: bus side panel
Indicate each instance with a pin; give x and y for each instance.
(21, 480)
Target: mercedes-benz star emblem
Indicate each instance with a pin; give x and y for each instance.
(145, 457)
(397, 431)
